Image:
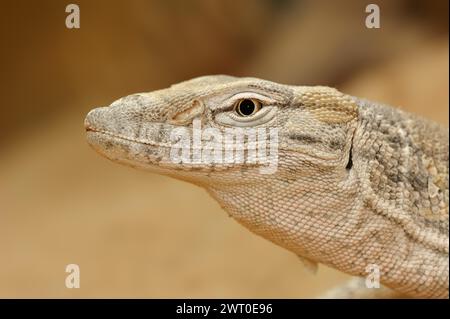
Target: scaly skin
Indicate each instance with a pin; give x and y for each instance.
(357, 183)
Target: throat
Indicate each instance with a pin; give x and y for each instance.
(301, 216)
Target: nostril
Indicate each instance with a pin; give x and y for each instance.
(188, 114)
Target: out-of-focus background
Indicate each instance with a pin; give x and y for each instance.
(136, 234)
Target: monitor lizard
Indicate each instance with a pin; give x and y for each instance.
(356, 183)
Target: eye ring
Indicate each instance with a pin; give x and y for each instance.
(247, 107)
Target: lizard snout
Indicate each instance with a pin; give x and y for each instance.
(92, 119)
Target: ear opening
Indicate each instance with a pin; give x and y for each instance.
(350, 161)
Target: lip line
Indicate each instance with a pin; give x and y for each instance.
(90, 129)
(121, 137)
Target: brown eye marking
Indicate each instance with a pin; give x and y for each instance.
(247, 107)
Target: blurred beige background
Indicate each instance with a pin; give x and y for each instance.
(136, 234)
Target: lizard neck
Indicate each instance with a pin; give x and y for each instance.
(295, 214)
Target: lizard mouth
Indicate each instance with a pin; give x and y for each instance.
(97, 125)
(127, 151)
(90, 130)
(120, 146)
(145, 156)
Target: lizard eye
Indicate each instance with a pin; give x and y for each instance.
(247, 107)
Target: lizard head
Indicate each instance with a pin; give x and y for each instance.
(282, 138)
(214, 124)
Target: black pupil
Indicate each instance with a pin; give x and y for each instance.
(247, 107)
